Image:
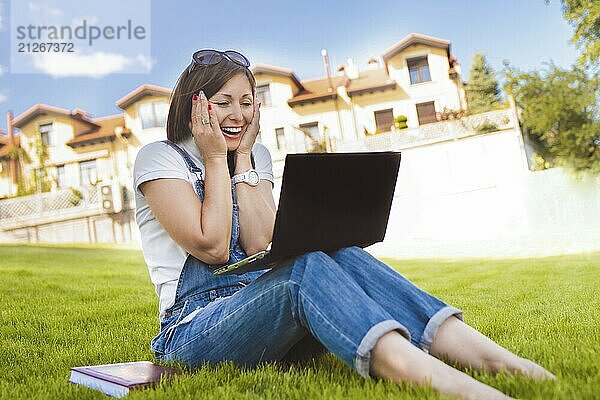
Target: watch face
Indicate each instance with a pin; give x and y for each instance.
(253, 178)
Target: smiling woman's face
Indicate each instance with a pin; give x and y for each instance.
(234, 106)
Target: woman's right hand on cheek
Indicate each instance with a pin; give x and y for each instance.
(208, 137)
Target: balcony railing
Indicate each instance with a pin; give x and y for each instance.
(433, 133)
(48, 207)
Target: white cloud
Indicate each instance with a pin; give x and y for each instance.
(3, 97)
(1, 70)
(45, 9)
(94, 65)
(145, 61)
(1, 16)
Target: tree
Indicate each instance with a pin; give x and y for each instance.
(560, 113)
(584, 15)
(483, 92)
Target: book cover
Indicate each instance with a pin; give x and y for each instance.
(117, 379)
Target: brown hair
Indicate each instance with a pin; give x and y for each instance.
(209, 78)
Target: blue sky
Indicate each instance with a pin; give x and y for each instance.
(292, 34)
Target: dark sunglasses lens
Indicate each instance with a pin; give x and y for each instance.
(207, 57)
(238, 58)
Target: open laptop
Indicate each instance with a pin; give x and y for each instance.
(328, 201)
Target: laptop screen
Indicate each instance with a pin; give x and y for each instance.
(334, 200)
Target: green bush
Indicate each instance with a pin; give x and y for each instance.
(486, 127)
(400, 122)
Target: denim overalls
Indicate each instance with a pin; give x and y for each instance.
(197, 285)
(341, 301)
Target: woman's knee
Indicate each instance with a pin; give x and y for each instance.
(316, 264)
(353, 253)
(314, 259)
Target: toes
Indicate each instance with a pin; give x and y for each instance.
(536, 371)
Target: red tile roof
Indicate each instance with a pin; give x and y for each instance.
(370, 81)
(318, 90)
(105, 132)
(45, 109)
(4, 144)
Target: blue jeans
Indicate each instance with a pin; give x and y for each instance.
(346, 300)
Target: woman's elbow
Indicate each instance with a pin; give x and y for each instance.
(212, 253)
(219, 255)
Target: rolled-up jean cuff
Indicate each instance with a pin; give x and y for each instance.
(434, 324)
(363, 353)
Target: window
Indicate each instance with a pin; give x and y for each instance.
(280, 139)
(263, 95)
(426, 112)
(153, 115)
(48, 135)
(384, 119)
(61, 177)
(311, 130)
(88, 173)
(418, 68)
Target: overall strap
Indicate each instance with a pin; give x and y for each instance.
(188, 160)
(194, 169)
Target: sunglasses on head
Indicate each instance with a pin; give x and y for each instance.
(212, 57)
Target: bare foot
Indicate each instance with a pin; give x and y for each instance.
(521, 366)
(533, 370)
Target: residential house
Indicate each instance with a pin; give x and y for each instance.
(68, 148)
(419, 78)
(145, 112)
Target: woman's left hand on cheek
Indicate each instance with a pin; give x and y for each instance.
(251, 133)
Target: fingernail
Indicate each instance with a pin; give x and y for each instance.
(195, 97)
(209, 107)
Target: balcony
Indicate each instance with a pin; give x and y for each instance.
(436, 132)
(49, 207)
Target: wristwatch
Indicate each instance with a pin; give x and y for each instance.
(250, 177)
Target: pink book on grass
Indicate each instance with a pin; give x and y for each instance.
(117, 380)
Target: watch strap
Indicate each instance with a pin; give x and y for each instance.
(245, 177)
(240, 177)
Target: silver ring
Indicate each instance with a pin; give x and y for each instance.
(205, 121)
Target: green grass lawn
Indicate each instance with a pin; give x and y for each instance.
(64, 306)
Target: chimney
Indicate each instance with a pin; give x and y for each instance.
(9, 129)
(327, 72)
(372, 63)
(351, 69)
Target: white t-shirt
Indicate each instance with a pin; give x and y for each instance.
(163, 256)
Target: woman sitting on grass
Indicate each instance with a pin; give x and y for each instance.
(192, 218)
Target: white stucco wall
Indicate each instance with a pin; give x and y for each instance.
(475, 197)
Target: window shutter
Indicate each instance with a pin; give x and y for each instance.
(426, 113)
(384, 119)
